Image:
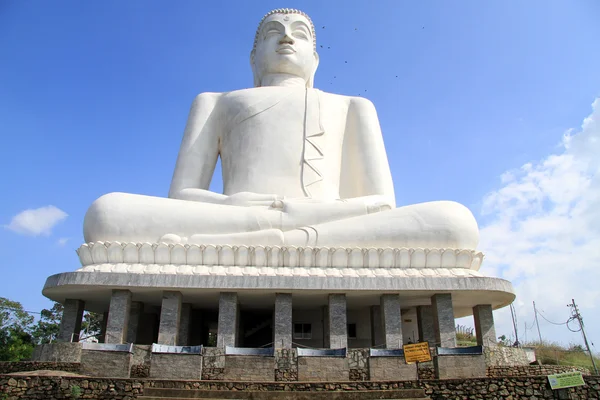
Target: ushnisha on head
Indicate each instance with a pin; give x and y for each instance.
(285, 43)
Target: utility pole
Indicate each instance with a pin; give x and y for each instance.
(537, 323)
(576, 314)
(514, 319)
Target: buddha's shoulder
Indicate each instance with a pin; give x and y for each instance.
(354, 101)
(252, 94)
(240, 95)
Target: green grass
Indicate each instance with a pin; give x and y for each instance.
(547, 353)
(464, 339)
(551, 353)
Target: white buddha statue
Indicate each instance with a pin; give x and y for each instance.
(301, 167)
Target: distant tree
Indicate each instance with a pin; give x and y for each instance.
(47, 328)
(91, 325)
(576, 347)
(16, 341)
(504, 341)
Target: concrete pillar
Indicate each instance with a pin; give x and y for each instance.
(425, 324)
(484, 325)
(282, 325)
(135, 313)
(443, 320)
(185, 323)
(325, 321)
(118, 317)
(228, 320)
(102, 337)
(338, 329)
(170, 316)
(70, 324)
(391, 321)
(377, 338)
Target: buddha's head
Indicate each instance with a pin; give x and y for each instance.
(285, 43)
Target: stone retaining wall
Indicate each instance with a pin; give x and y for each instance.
(286, 365)
(428, 372)
(532, 370)
(43, 388)
(502, 356)
(532, 388)
(7, 367)
(286, 369)
(21, 387)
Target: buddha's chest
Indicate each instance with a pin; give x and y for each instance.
(274, 133)
(283, 115)
(271, 125)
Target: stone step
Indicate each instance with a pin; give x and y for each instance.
(174, 394)
(248, 398)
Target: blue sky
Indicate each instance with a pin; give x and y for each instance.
(94, 97)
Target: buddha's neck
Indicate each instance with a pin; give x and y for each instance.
(282, 80)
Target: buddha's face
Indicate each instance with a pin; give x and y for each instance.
(285, 46)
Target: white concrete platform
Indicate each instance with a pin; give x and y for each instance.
(95, 288)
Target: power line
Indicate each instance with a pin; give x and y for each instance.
(529, 326)
(18, 309)
(569, 328)
(554, 323)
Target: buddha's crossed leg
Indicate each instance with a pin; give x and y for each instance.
(135, 218)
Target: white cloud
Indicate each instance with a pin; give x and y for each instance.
(542, 232)
(62, 241)
(35, 222)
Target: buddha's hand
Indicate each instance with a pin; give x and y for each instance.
(376, 207)
(249, 199)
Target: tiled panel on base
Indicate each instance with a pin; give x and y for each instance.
(323, 369)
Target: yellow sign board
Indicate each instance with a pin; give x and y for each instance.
(417, 352)
(566, 380)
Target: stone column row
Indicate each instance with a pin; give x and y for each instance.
(336, 328)
(123, 319)
(436, 323)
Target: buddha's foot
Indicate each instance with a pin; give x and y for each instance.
(267, 237)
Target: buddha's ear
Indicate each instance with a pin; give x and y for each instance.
(254, 72)
(311, 81)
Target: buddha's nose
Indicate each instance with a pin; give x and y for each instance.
(286, 39)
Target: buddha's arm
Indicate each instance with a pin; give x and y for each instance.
(198, 153)
(366, 176)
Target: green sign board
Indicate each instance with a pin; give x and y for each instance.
(566, 380)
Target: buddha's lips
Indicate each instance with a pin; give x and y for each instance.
(287, 49)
